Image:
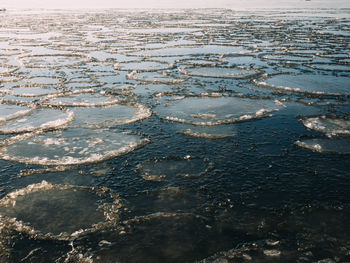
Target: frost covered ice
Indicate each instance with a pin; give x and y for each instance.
(40, 119)
(332, 125)
(308, 83)
(32, 91)
(206, 111)
(80, 98)
(117, 114)
(9, 111)
(219, 72)
(143, 65)
(72, 146)
(339, 145)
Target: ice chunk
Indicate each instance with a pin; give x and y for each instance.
(70, 147)
(326, 145)
(39, 119)
(48, 210)
(308, 83)
(329, 66)
(97, 117)
(53, 60)
(213, 111)
(80, 98)
(155, 77)
(32, 91)
(220, 72)
(9, 111)
(170, 167)
(148, 65)
(333, 125)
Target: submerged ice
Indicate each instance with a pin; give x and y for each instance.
(55, 211)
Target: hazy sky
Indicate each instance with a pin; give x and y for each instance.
(236, 4)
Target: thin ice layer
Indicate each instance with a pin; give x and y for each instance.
(219, 72)
(58, 211)
(190, 51)
(211, 132)
(326, 145)
(10, 111)
(53, 60)
(213, 111)
(328, 124)
(168, 168)
(84, 98)
(72, 146)
(155, 77)
(142, 65)
(40, 119)
(97, 117)
(309, 83)
(31, 91)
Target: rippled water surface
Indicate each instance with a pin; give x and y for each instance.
(186, 136)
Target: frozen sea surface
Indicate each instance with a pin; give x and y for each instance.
(199, 135)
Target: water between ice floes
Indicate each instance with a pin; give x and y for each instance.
(174, 136)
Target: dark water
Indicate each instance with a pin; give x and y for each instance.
(175, 136)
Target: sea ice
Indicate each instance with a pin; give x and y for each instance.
(48, 210)
(213, 111)
(71, 147)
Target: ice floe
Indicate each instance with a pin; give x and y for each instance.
(332, 125)
(40, 119)
(9, 111)
(214, 111)
(308, 83)
(339, 145)
(50, 211)
(71, 147)
(164, 169)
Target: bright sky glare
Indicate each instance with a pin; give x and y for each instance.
(235, 4)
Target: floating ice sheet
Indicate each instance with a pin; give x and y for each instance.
(219, 72)
(53, 60)
(308, 83)
(72, 146)
(143, 66)
(333, 125)
(330, 66)
(44, 80)
(287, 57)
(155, 89)
(80, 98)
(170, 167)
(47, 210)
(190, 51)
(9, 111)
(7, 69)
(97, 117)
(155, 77)
(39, 119)
(213, 111)
(32, 91)
(170, 237)
(211, 132)
(326, 145)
